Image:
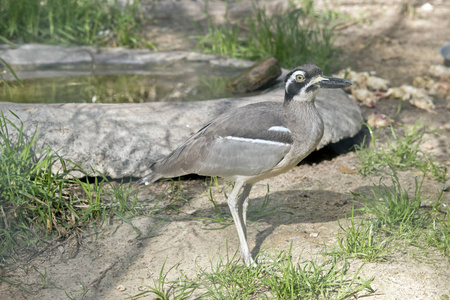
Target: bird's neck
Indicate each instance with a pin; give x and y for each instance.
(299, 108)
(301, 97)
(304, 121)
(301, 112)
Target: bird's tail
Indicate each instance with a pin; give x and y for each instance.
(148, 179)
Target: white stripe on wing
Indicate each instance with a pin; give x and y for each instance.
(258, 141)
(279, 128)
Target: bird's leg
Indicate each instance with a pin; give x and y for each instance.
(243, 205)
(236, 212)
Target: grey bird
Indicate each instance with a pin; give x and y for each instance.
(253, 142)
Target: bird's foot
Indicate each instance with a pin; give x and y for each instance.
(250, 263)
(248, 260)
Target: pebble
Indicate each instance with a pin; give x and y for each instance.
(121, 288)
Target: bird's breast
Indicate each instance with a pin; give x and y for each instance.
(307, 131)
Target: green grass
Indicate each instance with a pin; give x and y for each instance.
(283, 279)
(438, 236)
(174, 194)
(5, 86)
(86, 22)
(396, 216)
(219, 220)
(392, 221)
(358, 238)
(36, 204)
(400, 152)
(395, 210)
(298, 36)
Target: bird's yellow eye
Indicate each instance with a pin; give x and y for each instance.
(299, 78)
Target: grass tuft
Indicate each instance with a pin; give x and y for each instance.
(96, 22)
(37, 204)
(298, 36)
(400, 152)
(360, 239)
(395, 210)
(164, 290)
(396, 216)
(220, 220)
(284, 279)
(439, 235)
(312, 280)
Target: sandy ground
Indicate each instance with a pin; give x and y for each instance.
(393, 39)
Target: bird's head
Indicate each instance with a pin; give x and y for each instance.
(304, 82)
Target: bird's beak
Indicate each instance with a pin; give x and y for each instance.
(331, 82)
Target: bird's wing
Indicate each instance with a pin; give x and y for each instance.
(248, 141)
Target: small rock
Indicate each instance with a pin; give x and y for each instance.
(261, 73)
(314, 234)
(427, 7)
(61, 249)
(121, 288)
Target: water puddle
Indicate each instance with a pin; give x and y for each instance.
(86, 83)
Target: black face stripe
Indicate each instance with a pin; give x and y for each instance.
(312, 88)
(295, 87)
(288, 97)
(292, 87)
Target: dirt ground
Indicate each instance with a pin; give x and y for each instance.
(397, 40)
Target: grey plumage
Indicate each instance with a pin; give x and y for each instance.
(253, 142)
